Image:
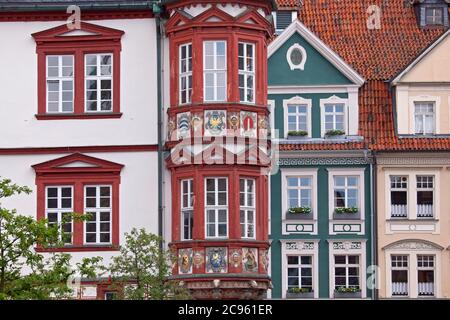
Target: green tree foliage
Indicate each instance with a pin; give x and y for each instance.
(24, 273)
(142, 269)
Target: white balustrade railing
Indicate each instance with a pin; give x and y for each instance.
(399, 210)
(400, 288)
(426, 288)
(425, 210)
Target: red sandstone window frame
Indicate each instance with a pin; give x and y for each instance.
(95, 39)
(98, 172)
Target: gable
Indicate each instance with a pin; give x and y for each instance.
(434, 66)
(317, 69)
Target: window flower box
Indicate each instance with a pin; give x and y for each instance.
(299, 213)
(335, 134)
(300, 293)
(297, 135)
(346, 213)
(347, 293)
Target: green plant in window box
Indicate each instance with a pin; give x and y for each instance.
(334, 133)
(299, 133)
(343, 210)
(347, 290)
(300, 290)
(299, 210)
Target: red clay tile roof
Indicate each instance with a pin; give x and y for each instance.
(378, 55)
(284, 4)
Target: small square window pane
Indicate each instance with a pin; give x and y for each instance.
(52, 203)
(90, 227)
(91, 202)
(52, 217)
(90, 238)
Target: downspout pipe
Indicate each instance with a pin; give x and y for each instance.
(375, 221)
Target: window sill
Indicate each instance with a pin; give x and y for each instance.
(410, 220)
(77, 116)
(79, 248)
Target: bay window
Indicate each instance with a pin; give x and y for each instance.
(215, 70)
(399, 196)
(98, 207)
(185, 73)
(98, 85)
(346, 271)
(187, 208)
(60, 83)
(59, 208)
(424, 117)
(300, 272)
(247, 207)
(425, 196)
(246, 62)
(399, 275)
(216, 207)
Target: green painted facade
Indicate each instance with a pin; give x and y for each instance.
(323, 226)
(318, 70)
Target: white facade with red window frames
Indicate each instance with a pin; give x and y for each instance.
(217, 124)
(79, 124)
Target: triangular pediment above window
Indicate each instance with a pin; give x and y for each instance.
(77, 162)
(86, 31)
(213, 15)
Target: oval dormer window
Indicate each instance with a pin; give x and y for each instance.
(296, 57)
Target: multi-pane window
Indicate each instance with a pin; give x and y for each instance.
(299, 191)
(98, 206)
(187, 208)
(185, 73)
(399, 196)
(216, 207)
(399, 275)
(425, 275)
(346, 191)
(246, 61)
(434, 16)
(297, 117)
(59, 207)
(346, 271)
(98, 85)
(247, 207)
(334, 117)
(215, 70)
(424, 117)
(425, 196)
(60, 88)
(300, 272)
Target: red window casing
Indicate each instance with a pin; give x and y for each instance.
(98, 39)
(98, 172)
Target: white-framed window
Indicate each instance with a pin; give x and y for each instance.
(399, 275)
(334, 116)
(215, 70)
(60, 83)
(346, 190)
(434, 16)
(297, 117)
(99, 82)
(425, 196)
(399, 196)
(247, 208)
(216, 207)
(185, 69)
(98, 205)
(58, 210)
(300, 272)
(424, 117)
(246, 62)
(299, 191)
(187, 208)
(425, 275)
(346, 271)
